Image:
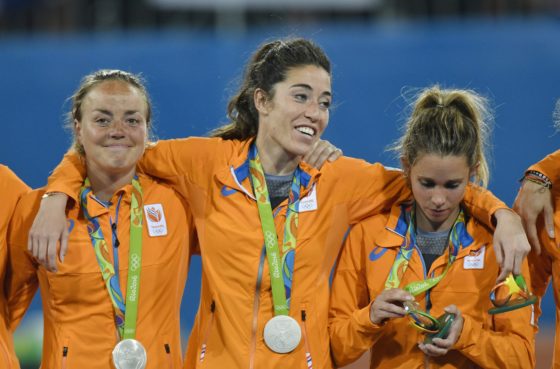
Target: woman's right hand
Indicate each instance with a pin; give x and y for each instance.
(389, 304)
(532, 200)
(49, 228)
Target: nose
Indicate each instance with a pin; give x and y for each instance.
(438, 198)
(313, 111)
(117, 130)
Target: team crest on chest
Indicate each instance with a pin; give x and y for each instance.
(155, 219)
(475, 259)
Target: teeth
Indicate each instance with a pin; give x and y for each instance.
(306, 130)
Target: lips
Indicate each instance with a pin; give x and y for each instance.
(438, 212)
(117, 146)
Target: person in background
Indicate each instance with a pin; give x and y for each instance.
(430, 255)
(538, 203)
(11, 189)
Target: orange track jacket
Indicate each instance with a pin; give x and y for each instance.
(11, 189)
(501, 341)
(546, 266)
(236, 301)
(79, 325)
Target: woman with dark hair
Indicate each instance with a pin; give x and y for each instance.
(270, 226)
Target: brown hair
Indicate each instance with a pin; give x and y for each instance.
(448, 122)
(93, 79)
(268, 65)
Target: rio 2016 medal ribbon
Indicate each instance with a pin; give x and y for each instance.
(129, 354)
(282, 334)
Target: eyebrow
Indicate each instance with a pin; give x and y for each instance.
(307, 87)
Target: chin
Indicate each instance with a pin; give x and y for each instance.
(302, 149)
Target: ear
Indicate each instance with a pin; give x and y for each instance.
(262, 103)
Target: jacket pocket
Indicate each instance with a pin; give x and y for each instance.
(207, 330)
(307, 346)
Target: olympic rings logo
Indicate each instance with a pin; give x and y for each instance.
(134, 262)
(269, 237)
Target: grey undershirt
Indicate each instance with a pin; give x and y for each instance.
(432, 245)
(278, 188)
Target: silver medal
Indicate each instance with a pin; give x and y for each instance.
(129, 354)
(282, 334)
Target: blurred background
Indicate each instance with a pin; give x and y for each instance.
(192, 52)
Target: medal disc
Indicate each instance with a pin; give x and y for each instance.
(129, 354)
(282, 334)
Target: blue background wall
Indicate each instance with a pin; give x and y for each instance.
(191, 76)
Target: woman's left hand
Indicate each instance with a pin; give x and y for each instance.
(440, 346)
(320, 152)
(510, 243)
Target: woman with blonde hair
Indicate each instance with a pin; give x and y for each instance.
(429, 257)
(115, 301)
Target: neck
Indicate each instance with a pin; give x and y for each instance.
(274, 159)
(104, 185)
(425, 224)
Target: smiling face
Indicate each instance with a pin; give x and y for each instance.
(297, 114)
(112, 128)
(438, 184)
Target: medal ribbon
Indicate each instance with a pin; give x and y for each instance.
(281, 269)
(456, 239)
(125, 313)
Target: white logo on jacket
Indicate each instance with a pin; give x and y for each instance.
(155, 219)
(309, 202)
(475, 259)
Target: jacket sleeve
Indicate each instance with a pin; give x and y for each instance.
(21, 278)
(549, 166)
(540, 267)
(351, 331)
(508, 343)
(376, 188)
(177, 162)
(482, 204)
(68, 175)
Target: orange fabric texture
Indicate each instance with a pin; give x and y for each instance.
(545, 268)
(80, 331)
(500, 341)
(11, 189)
(212, 174)
(549, 166)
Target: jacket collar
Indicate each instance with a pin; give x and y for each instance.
(96, 207)
(396, 227)
(235, 176)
